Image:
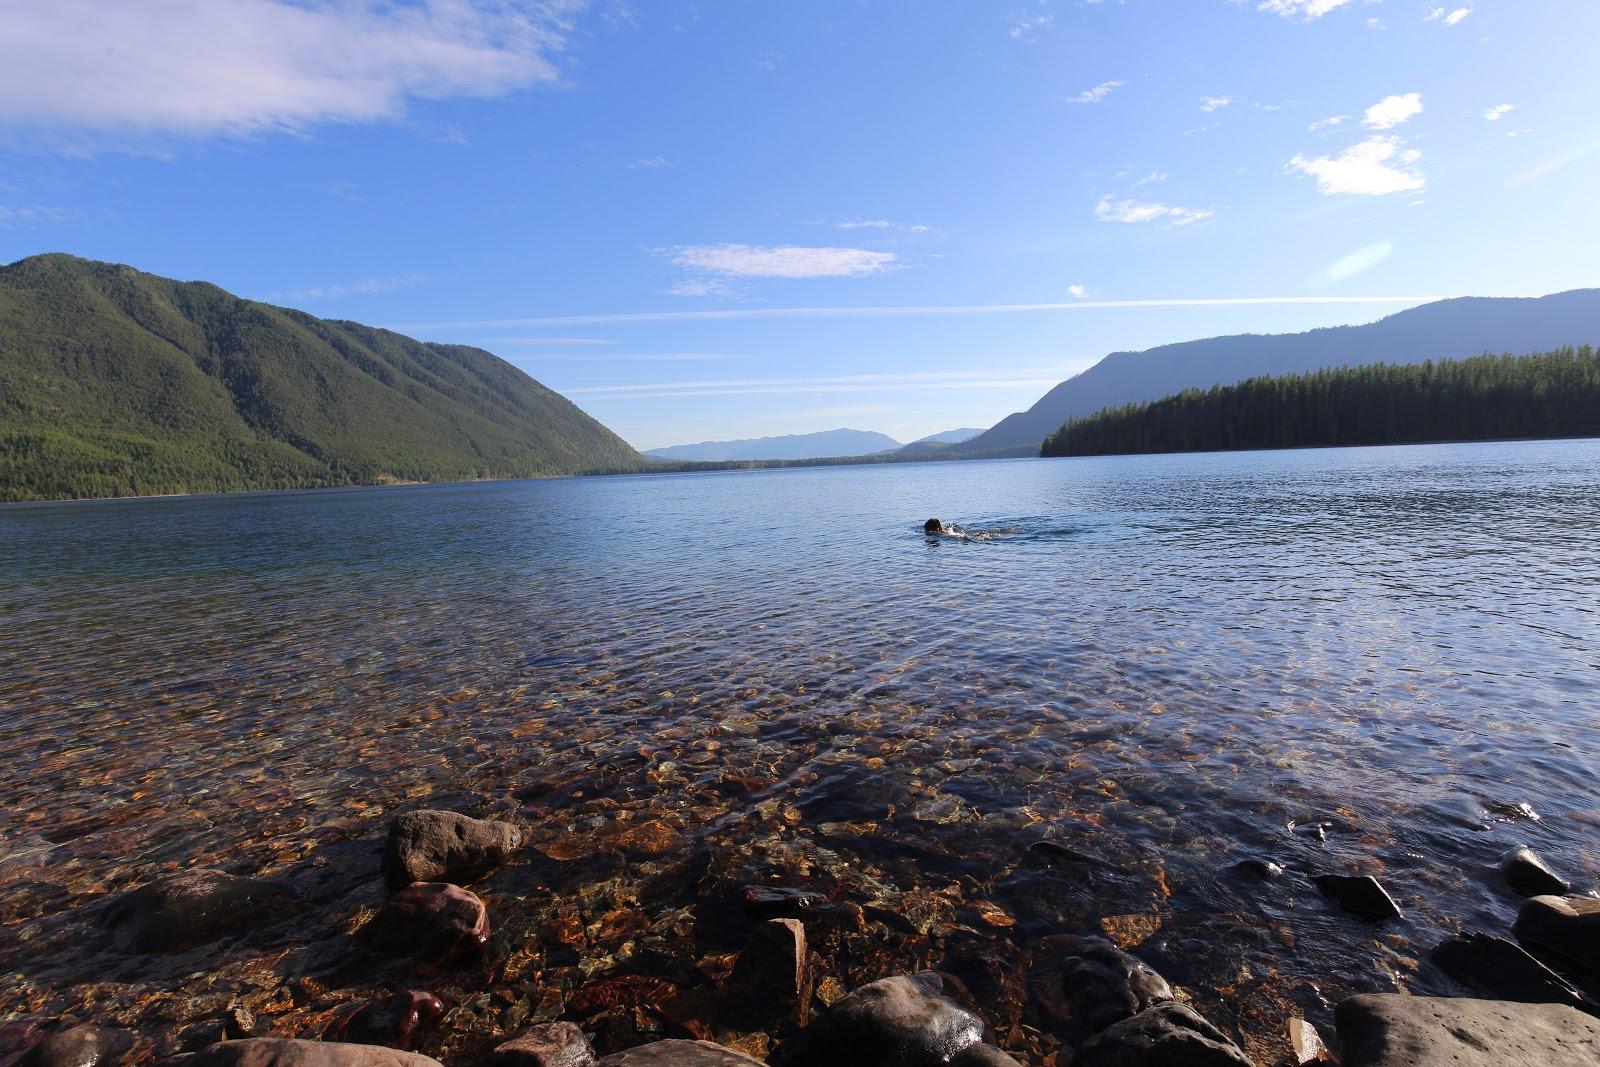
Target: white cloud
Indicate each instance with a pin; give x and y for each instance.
(880, 224)
(563, 342)
(781, 261)
(364, 287)
(1306, 9)
(1375, 167)
(1128, 210)
(1078, 291)
(1214, 103)
(1494, 114)
(1097, 94)
(204, 67)
(701, 287)
(1023, 27)
(20, 216)
(1391, 111)
(1328, 123)
(1449, 18)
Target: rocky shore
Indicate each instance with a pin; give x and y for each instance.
(1086, 998)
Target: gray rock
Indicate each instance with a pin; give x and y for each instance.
(1525, 872)
(85, 1045)
(1167, 1035)
(444, 846)
(904, 1021)
(674, 1053)
(1265, 870)
(1395, 1030)
(1566, 929)
(1105, 985)
(1503, 970)
(546, 1045)
(1359, 894)
(771, 980)
(982, 1055)
(287, 1052)
(179, 911)
(432, 921)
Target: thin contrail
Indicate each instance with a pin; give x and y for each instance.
(909, 310)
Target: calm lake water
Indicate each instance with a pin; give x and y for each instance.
(1359, 660)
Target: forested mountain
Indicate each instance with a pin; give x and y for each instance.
(114, 382)
(1556, 394)
(825, 444)
(1446, 329)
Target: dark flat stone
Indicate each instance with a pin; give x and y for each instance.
(1359, 894)
(1395, 1030)
(179, 911)
(1566, 929)
(1525, 872)
(1503, 970)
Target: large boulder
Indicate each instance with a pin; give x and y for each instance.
(1525, 872)
(85, 1045)
(1565, 928)
(179, 911)
(1395, 1030)
(432, 921)
(1105, 985)
(1167, 1035)
(904, 1021)
(674, 1053)
(444, 846)
(288, 1052)
(545, 1045)
(1503, 970)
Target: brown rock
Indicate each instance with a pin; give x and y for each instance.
(904, 1021)
(675, 1053)
(1104, 985)
(444, 846)
(285, 1052)
(771, 980)
(1395, 1030)
(546, 1045)
(1525, 872)
(399, 1020)
(1566, 928)
(432, 921)
(1167, 1035)
(85, 1045)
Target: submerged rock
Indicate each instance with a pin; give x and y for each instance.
(1104, 985)
(1265, 870)
(546, 1045)
(675, 1053)
(1396, 1030)
(398, 1020)
(1306, 1044)
(1167, 1035)
(432, 921)
(1359, 894)
(1503, 970)
(771, 980)
(1054, 854)
(1567, 928)
(444, 846)
(287, 1052)
(1525, 872)
(179, 911)
(85, 1045)
(904, 1021)
(779, 902)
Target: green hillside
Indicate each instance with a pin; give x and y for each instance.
(114, 382)
(1486, 398)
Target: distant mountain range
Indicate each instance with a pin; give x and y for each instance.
(1446, 329)
(949, 437)
(825, 444)
(114, 382)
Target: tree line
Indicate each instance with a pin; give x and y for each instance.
(1552, 394)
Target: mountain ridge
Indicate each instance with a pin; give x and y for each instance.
(822, 444)
(116, 382)
(1458, 328)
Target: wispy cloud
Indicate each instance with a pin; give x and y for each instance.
(881, 224)
(1026, 27)
(701, 287)
(1306, 9)
(849, 383)
(191, 68)
(1078, 291)
(781, 261)
(1097, 94)
(649, 163)
(563, 342)
(1128, 210)
(23, 216)
(363, 287)
(903, 311)
(1346, 267)
(622, 357)
(1328, 123)
(1496, 113)
(1377, 166)
(1215, 103)
(1392, 111)
(1449, 17)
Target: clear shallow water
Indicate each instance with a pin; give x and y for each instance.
(684, 684)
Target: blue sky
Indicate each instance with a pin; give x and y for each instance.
(726, 220)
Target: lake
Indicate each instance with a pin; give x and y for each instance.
(1378, 660)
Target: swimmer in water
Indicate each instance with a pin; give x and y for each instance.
(933, 528)
(936, 528)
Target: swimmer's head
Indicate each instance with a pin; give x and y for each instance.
(933, 527)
